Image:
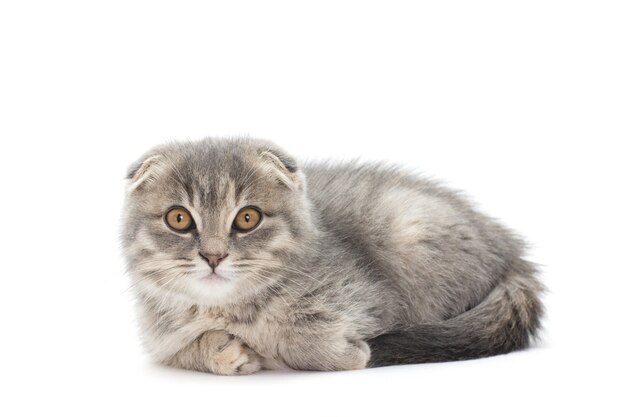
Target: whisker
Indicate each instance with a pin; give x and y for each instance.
(145, 276)
(300, 285)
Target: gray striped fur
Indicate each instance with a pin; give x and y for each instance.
(353, 265)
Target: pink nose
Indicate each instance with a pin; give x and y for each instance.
(212, 259)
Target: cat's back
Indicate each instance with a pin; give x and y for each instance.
(372, 195)
(390, 208)
(382, 210)
(421, 238)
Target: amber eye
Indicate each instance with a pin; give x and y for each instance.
(179, 219)
(247, 219)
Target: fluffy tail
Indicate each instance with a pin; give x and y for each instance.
(504, 321)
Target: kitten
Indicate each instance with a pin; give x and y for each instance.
(242, 260)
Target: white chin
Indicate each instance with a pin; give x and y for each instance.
(211, 290)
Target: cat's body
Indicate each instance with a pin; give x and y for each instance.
(348, 259)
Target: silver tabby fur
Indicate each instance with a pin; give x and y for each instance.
(352, 265)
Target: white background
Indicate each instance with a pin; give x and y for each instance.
(521, 104)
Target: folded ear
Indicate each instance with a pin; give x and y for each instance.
(145, 171)
(283, 168)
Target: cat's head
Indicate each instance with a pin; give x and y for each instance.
(215, 221)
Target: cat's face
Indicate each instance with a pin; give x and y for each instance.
(213, 222)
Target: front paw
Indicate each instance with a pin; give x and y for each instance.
(235, 358)
(331, 353)
(357, 356)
